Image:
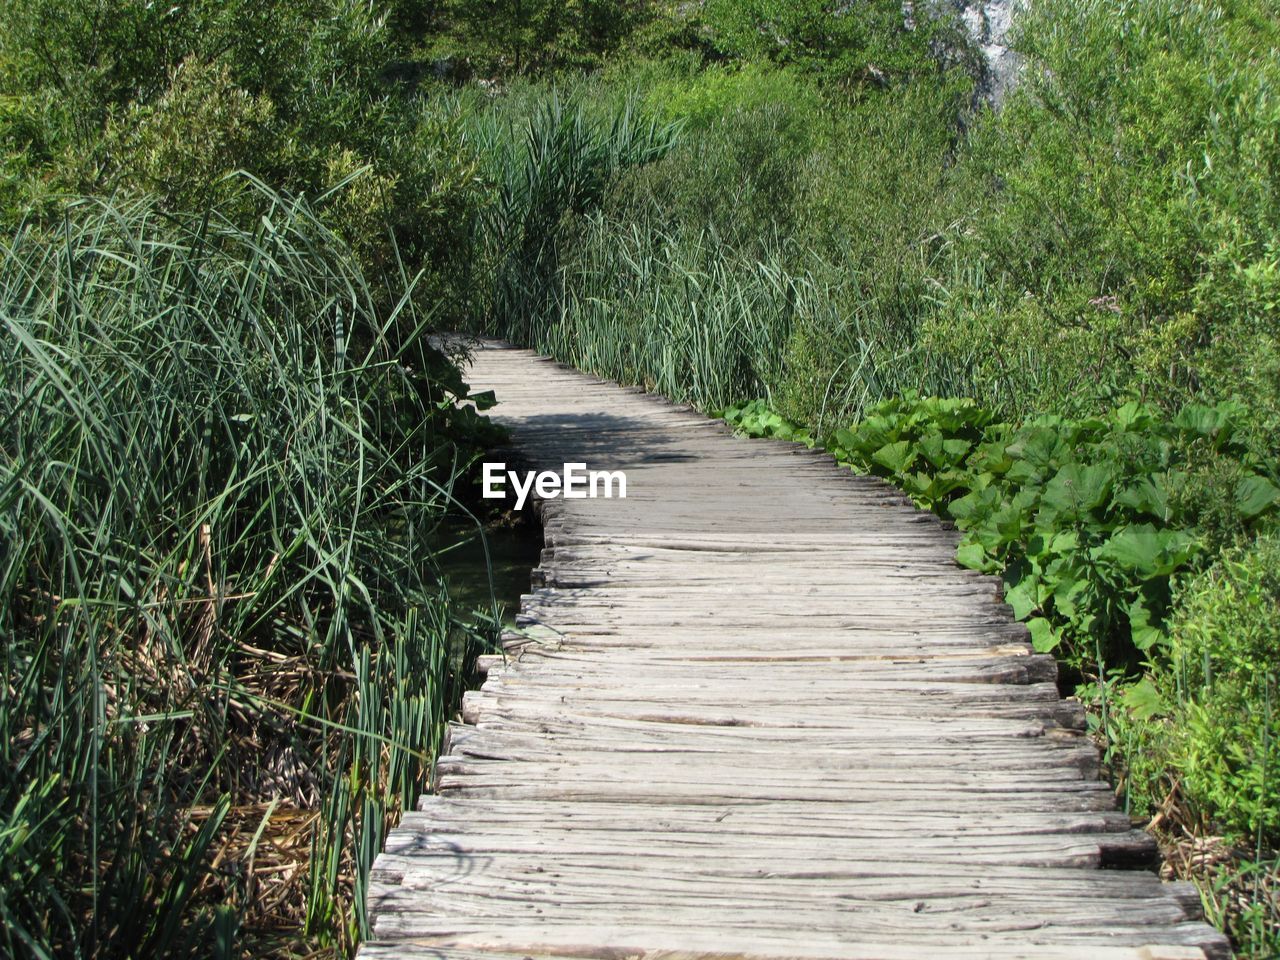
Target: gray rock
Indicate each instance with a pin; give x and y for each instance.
(987, 24)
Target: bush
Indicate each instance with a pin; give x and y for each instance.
(407, 207)
(862, 45)
(183, 146)
(1225, 655)
(1194, 742)
(747, 131)
(1124, 246)
(876, 194)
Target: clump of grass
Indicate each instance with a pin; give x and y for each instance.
(226, 644)
(550, 168)
(681, 313)
(693, 316)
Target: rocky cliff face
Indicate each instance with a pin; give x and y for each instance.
(987, 23)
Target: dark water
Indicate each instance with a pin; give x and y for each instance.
(476, 581)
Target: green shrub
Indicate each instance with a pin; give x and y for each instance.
(1194, 742)
(1124, 243)
(854, 46)
(735, 170)
(183, 146)
(510, 38)
(1225, 654)
(876, 194)
(822, 324)
(408, 206)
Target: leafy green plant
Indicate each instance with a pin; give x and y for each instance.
(755, 419)
(1194, 741)
(923, 445)
(1225, 656)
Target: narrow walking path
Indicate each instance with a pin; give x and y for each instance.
(755, 710)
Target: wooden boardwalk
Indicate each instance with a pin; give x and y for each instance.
(756, 710)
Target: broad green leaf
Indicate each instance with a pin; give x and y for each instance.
(1254, 495)
(872, 434)
(1198, 420)
(1038, 448)
(1147, 495)
(895, 457)
(1214, 423)
(1145, 551)
(1022, 598)
(931, 447)
(1067, 541)
(1008, 523)
(919, 485)
(974, 505)
(1142, 624)
(956, 449)
(949, 481)
(972, 555)
(1043, 637)
(987, 533)
(1067, 595)
(1143, 700)
(1134, 548)
(1076, 488)
(1024, 472)
(1133, 416)
(991, 458)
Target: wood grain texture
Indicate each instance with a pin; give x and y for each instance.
(756, 711)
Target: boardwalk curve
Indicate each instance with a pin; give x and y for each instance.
(755, 710)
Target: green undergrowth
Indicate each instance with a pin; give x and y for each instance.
(803, 202)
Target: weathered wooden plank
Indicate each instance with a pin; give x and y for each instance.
(756, 711)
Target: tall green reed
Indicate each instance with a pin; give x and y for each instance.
(680, 313)
(218, 483)
(661, 296)
(704, 321)
(550, 168)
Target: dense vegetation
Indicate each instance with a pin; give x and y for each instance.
(226, 452)
(226, 443)
(218, 600)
